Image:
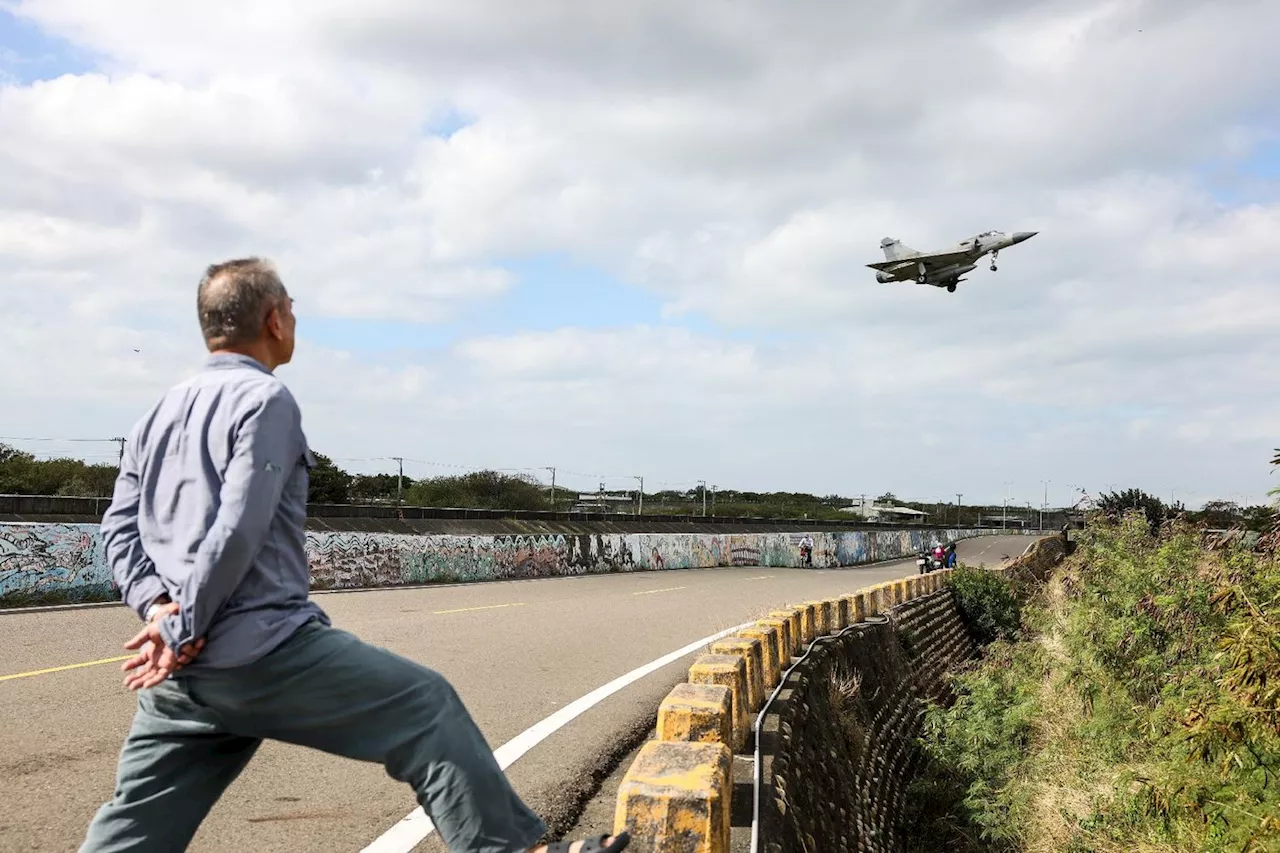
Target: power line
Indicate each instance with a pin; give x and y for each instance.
(14, 438)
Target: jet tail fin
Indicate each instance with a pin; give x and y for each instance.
(895, 249)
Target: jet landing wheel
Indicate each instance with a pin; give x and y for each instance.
(951, 288)
(993, 267)
(921, 279)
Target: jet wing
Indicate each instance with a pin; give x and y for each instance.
(930, 260)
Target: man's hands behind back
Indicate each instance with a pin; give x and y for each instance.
(155, 661)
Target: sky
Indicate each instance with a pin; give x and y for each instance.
(630, 240)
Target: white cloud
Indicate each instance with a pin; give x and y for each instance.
(740, 161)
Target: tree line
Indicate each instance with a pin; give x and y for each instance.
(21, 473)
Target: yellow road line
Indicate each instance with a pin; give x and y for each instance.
(652, 591)
(63, 668)
(469, 609)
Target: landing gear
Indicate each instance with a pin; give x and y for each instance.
(993, 260)
(921, 279)
(922, 274)
(951, 288)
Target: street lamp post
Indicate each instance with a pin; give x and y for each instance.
(640, 509)
(703, 483)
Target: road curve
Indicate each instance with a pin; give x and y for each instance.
(516, 651)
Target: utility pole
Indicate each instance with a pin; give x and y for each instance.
(1044, 507)
(958, 498)
(703, 483)
(640, 510)
(1004, 513)
(553, 487)
(713, 500)
(399, 479)
(120, 461)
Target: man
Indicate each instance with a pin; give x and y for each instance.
(205, 537)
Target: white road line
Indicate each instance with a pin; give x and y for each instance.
(415, 826)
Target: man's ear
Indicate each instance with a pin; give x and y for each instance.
(275, 323)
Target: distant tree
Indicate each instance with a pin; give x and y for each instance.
(371, 487)
(1220, 514)
(481, 490)
(887, 499)
(329, 483)
(22, 474)
(1116, 504)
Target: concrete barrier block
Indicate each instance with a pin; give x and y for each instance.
(747, 648)
(837, 614)
(697, 713)
(770, 650)
(676, 797)
(858, 607)
(729, 671)
(783, 627)
(793, 622)
(808, 621)
(883, 598)
(821, 617)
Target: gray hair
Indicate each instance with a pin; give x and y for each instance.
(234, 299)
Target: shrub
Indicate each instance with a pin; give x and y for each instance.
(987, 602)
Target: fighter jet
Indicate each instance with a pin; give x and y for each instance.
(944, 268)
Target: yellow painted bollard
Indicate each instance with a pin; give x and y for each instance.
(770, 647)
(857, 607)
(697, 713)
(783, 627)
(821, 618)
(808, 621)
(793, 619)
(729, 671)
(901, 593)
(838, 614)
(676, 797)
(747, 648)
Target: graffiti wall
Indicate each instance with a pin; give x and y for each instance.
(52, 562)
(64, 562)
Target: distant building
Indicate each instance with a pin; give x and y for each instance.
(880, 513)
(600, 502)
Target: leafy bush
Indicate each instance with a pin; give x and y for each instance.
(987, 602)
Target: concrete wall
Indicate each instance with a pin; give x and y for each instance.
(54, 563)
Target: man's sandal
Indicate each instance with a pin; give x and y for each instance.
(593, 845)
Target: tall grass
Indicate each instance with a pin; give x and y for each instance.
(1137, 708)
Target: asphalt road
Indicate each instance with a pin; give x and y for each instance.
(516, 651)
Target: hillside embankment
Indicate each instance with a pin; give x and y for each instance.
(1133, 704)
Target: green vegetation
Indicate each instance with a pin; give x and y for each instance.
(1136, 708)
(987, 602)
(22, 474)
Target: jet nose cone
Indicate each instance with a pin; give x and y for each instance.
(1019, 236)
